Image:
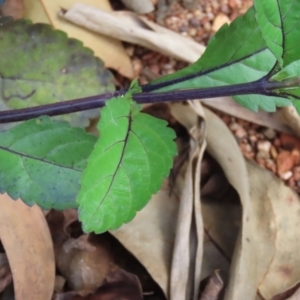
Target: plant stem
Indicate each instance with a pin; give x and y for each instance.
(65, 107)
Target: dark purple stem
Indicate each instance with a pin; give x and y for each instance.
(60, 108)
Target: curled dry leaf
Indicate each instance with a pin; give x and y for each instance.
(213, 287)
(12, 8)
(133, 29)
(275, 221)
(111, 51)
(266, 251)
(83, 263)
(188, 247)
(5, 273)
(120, 285)
(290, 117)
(60, 281)
(27, 242)
(117, 285)
(288, 293)
(213, 258)
(295, 296)
(224, 149)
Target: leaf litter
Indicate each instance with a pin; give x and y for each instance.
(256, 239)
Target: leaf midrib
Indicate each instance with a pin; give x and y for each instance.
(120, 160)
(163, 84)
(38, 159)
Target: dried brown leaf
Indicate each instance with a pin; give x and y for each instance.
(213, 287)
(150, 235)
(131, 28)
(83, 263)
(5, 273)
(27, 242)
(119, 285)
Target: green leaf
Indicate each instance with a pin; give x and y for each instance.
(266, 103)
(279, 22)
(39, 65)
(237, 51)
(236, 54)
(132, 156)
(290, 71)
(268, 17)
(291, 30)
(289, 76)
(42, 162)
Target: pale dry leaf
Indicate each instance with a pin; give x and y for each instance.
(110, 50)
(290, 117)
(219, 21)
(27, 242)
(266, 252)
(188, 247)
(130, 28)
(276, 222)
(139, 6)
(150, 235)
(224, 149)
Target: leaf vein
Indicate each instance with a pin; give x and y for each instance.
(119, 163)
(38, 159)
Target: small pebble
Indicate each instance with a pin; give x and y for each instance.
(270, 164)
(192, 31)
(285, 162)
(240, 132)
(234, 126)
(296, 156)
(287, 175)
(154, 69)
(262, 155)
(264, 146)
(219, 21)
(273, 152)
(194, 22)
(137, 67)
(253, 138)
(269, 133)
(291, 182)
(296, 173)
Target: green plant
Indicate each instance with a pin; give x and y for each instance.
(256, 59)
